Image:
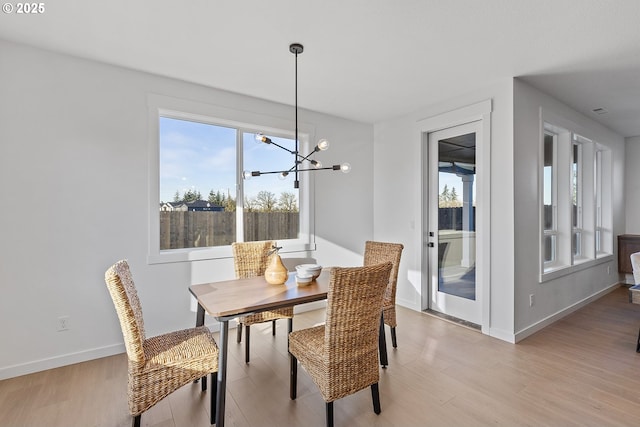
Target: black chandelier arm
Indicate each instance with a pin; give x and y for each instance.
(334, 167)
(300, 157)
(303, 158)
(269, 141)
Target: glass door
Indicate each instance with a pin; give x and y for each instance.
(451, 237)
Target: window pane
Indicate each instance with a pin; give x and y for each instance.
(197, 184)
(548, 181)
(271, 204)
(549, 248)
(576, 243)
(598, 200)
(575, 186)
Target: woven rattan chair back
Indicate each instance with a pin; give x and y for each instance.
(377, 252)
(127, 304)
(350, 347)
(341, 356)
(250, 258)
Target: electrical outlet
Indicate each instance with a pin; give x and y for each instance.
(63, 323)
(531, 300)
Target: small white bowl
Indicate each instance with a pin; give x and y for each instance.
(303, 279)
(313, 269)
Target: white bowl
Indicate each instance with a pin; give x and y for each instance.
(303, 279)
(313, 269)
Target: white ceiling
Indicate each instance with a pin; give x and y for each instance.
(366, 60)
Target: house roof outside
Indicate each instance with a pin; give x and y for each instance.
(196, 205)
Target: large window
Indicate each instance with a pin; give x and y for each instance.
(204, 203)
(575, 198)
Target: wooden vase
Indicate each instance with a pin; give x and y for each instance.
(276, 273)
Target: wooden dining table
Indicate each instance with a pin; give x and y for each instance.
(229, 299)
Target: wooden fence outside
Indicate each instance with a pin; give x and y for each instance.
(203, 229)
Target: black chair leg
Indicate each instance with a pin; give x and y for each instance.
(273, 328)
(136, 420)
(382, 343)
(204, 383)
(246, 344)
(329, 414)
(239, 332)
(638, 346)
(375, 396)
(393, 338)
(293, 377)
(214, 397)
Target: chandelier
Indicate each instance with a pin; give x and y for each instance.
(299, 164)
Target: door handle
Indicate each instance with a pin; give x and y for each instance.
(430, 244)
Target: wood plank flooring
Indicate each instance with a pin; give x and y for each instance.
(580, 371)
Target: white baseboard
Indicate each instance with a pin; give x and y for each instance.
(58, 361)
(502, 335)
(97, 353)
(411, 305)
(530, 330)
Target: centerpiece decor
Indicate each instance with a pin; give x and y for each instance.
(276, 273)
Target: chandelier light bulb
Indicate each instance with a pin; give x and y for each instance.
(323, 144)
(246, 174)
(345, 167)
(261, 138)
(316, 164)
(283, 175)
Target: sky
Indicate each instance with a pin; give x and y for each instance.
(202, 157)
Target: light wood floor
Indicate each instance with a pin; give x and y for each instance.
(581, 371)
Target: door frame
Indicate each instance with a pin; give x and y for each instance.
(468, 309)
(481, 112)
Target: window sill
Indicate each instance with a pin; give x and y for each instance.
(556, 272)
(201, 254)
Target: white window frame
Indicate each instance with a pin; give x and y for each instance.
(551, 233)
(577, 229)
(164, 106)
(603, 215)
(594, 201)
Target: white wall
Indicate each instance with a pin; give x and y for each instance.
(74, 175)
(398, 198)
(632, 185)
(556, 297)
(514, 221)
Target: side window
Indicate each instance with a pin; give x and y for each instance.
(549, 206)
(575, 204)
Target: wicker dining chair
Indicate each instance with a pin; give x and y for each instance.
(250, 260)
(375, 253)
(159, 365)
(341, 356)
